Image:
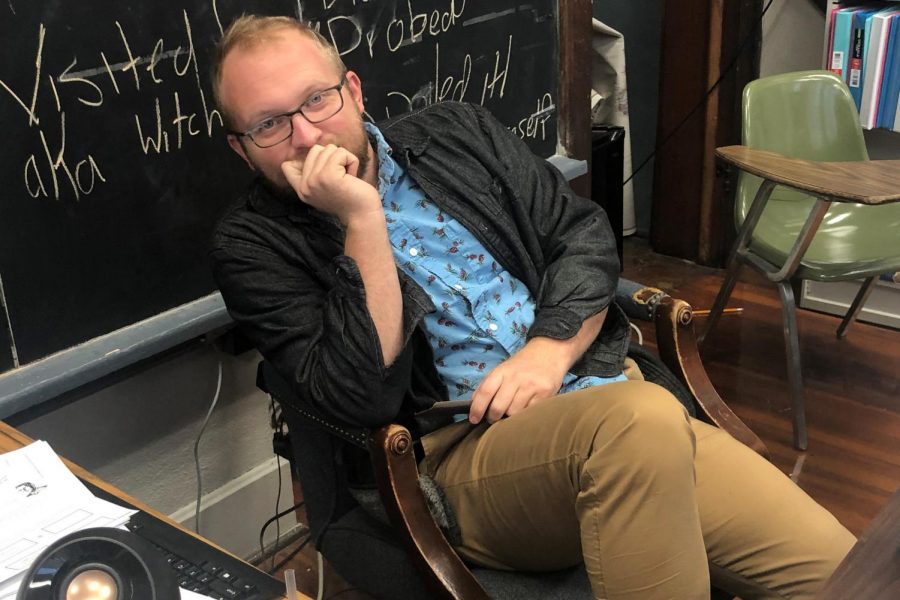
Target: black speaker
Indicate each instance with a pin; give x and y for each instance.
(99, 563)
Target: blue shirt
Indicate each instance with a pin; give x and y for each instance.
(483, 313)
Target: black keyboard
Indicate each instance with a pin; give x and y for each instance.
(198, 566)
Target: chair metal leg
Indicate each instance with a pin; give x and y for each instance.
(861, 296)
(721, 300)
(792, 349)
(737, 252)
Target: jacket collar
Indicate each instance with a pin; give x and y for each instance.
(405, 141)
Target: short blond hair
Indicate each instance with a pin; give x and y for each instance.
(249, 30)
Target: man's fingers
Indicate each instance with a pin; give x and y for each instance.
(327, 155)
(325, 163)
(311, 161)
(295, 175)
(501, 402)
(293, 170)
(483, 395)
(344, 161)
(520, 402)
(351, 163)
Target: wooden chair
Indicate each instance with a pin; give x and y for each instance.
(439, 572)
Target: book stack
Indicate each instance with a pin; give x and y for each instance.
(864, 50)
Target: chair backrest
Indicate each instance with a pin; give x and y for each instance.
(809, 115)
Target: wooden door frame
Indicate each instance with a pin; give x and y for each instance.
(574, 94)
(692, 199)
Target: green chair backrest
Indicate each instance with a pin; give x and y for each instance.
(808, 115)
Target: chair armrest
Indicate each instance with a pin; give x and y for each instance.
(677, 346)
(391, 450)
(638, 301)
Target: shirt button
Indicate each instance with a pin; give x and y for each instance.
(457, 286)
(492, 327)
(413, 252)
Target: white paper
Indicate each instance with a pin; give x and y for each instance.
(189, 595)
(43, 501)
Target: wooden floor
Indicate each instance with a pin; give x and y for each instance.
(852, 389)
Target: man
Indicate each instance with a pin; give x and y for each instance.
(382, 268)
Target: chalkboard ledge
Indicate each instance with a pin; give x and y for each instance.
(65, 371)
(570, 167)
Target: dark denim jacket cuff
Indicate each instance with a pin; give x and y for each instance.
(348, 280)
(555, 322)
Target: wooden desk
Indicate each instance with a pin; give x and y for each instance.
(872, 568)
(12, 439)
(864, 181)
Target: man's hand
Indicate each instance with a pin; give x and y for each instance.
(532, 374)
(327, 179)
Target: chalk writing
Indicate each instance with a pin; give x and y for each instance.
(35, 174)
(534, 126)
(498, 76)
(51, 172)
(32, 117)
(154, 85)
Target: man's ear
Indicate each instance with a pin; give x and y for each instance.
(238, 147)
(354, 86)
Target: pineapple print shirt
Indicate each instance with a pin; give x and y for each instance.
(483, 313)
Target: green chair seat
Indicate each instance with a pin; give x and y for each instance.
(854, 241)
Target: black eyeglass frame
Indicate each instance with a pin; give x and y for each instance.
(290, 115)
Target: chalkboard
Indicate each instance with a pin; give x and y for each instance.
(115, 168)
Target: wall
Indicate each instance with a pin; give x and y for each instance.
(641, 24)
(793, 37)
(138, 434)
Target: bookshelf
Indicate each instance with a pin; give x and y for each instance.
(870, 49)
(883, 305)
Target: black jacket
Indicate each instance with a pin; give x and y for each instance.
(282, 272)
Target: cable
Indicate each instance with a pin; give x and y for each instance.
(640, 335)
(321, 577)
(278, 520)
(725, 71)
(278, 424)
(262, 531)
(293, 553)
(212, 407)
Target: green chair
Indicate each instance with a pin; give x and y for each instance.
(786, 233)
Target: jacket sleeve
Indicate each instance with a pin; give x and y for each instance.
(313, 325)
(576, 257)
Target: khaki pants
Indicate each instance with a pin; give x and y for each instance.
(653, 501)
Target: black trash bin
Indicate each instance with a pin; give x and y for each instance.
(607, 174)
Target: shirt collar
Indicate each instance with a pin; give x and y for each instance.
(388, 169)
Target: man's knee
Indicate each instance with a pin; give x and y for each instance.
(639, 415)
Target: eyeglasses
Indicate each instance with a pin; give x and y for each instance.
(319, 107)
